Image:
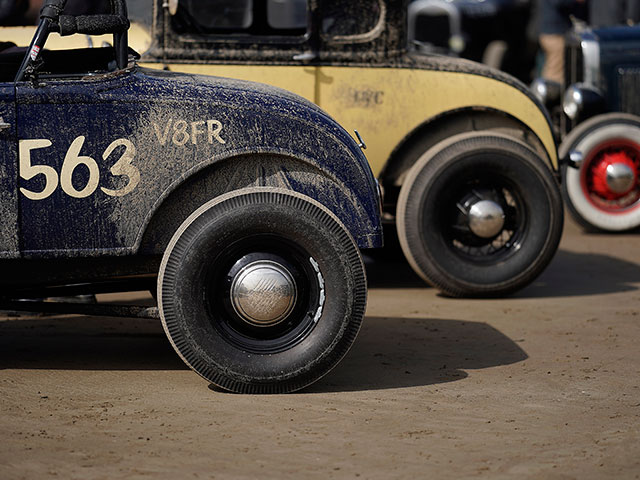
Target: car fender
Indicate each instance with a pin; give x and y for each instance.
(399, 113)
(385, 103)
(260, 121)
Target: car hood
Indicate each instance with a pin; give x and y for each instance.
(193, 87)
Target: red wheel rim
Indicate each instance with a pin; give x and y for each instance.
(594, 181)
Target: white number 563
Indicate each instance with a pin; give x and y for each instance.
(123, 167)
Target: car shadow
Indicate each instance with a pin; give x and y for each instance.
(572, 274)
(85, 343)
(388, 353)
(569, 274)
(410, 352)
(391, 272)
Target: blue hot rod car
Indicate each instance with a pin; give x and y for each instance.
(597, 112)
(242, 206)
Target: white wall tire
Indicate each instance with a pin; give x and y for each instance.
(590, 138)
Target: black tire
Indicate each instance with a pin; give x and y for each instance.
(201, 308)
(433, 227)
(593, 208)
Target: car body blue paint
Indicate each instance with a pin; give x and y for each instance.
(9, 247)
(137, 105)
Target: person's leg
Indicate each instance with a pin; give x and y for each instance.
(553, 47)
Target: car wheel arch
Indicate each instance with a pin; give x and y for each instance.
(447, 124)
(211, 180)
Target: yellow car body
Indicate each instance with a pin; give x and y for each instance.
(384, 104)
(22, 35)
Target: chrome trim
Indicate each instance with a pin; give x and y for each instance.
(591, 58)
(263, 293)
(572, 102)
(575, 159)
(620, 178)
(486, 218)
(540, 90)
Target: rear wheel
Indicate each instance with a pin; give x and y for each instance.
(479, 215)
(604, 193)
(262, 291)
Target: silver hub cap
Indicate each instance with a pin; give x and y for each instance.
(620, 177)
(486, 218)
(263, 293)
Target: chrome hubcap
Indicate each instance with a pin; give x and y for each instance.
(620, 177)
(486, 218)
(263, 293)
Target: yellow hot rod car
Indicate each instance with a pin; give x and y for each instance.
(465, 155)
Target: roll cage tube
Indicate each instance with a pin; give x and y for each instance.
(52, 20)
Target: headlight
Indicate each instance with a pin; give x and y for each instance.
(572, 102)
(547, 91)
(582, 101)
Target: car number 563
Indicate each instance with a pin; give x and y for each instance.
(122, 167)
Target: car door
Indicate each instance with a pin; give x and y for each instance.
(365, 93)
(71, 133)
(8, 164)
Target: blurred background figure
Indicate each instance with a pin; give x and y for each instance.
(555, 21)
(607, 13)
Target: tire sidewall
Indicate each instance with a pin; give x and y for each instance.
(212, 355)
(599, 131)
(438, 171)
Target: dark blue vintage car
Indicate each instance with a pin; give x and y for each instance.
(241, 206)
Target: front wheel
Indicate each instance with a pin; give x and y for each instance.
(604, 193)
(262, 291)
(479, 215)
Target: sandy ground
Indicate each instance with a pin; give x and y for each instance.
(544, 384)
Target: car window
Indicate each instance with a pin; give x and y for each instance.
(351, 21)
(241, 17)
(287, 14)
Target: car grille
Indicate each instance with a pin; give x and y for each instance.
(573, 65)
(629, 86)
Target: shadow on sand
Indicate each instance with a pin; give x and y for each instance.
(408, 352)
(573, 274)
(389, 352)
(85, 343)
(569, 274)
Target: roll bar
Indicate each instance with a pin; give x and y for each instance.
(52, 20)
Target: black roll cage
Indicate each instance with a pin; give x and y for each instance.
(52, 20)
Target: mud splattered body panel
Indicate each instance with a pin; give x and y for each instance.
(367, 79)
(8, 196)
(100, 157)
